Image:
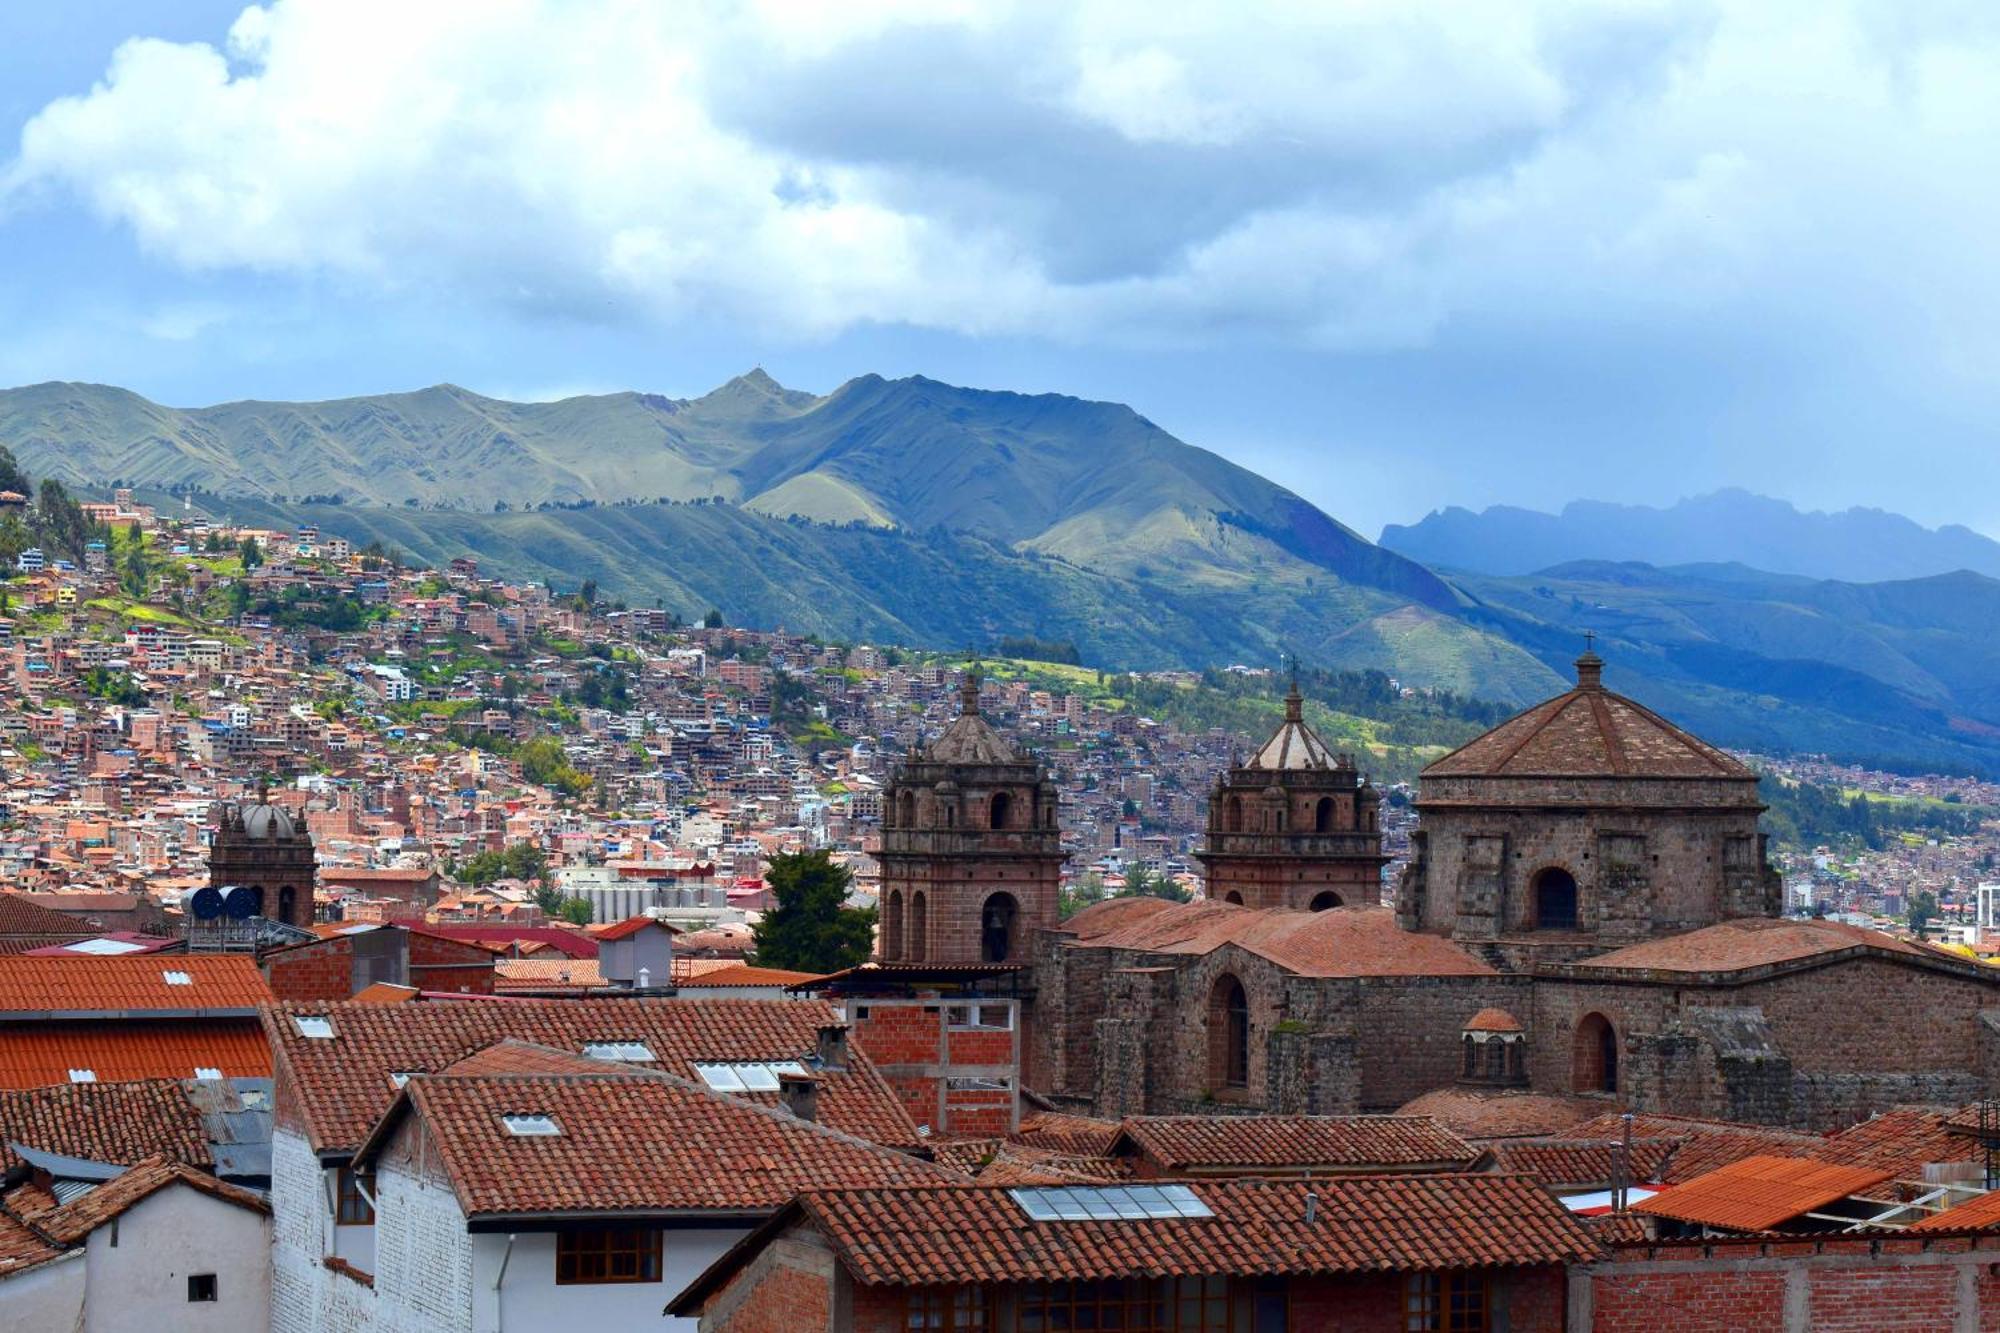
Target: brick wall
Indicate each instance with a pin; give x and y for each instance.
(457, 966)
(322, 971)
(1891, 1285)
(911, 1045)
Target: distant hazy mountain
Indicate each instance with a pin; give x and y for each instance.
(1728, 526)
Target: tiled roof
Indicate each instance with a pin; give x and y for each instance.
(1979, 1213)
(1760, 1193)
(1568, 1163)
(634, 1142)
(35, 1055)
(83, 1215)
(1077, 1134)
(1732, 946)
(547, 973)
(20, 914)
(1492, 1020)
(1704, 1144)
(1344, 942)
(1000, 1161)
(1293, 1142)
(1363, 1224)
(1493, 1114)
(631, 926)
(1294, 745)
(96, 985)
(741, 974)
(119, 1123)
(1903, 1142)
(385, 992)
(343, 1084)
(500, 935)
(525, 1057)
(1589, 732)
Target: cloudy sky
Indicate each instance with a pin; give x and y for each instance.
(1396, 255)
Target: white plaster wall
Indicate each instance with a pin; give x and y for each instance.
(299, 1229)
(423, 1257)
(139, 1264)
(530, 1300)
(49, 1297)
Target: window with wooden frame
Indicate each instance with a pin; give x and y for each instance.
(351, 1207)
(1162, 1305)
(1447, 1303)
(608, 1254)
(948, 1310)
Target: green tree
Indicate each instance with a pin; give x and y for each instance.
(713, 620)
(1923, 911)
(1143, 883)
(576, 911)
(543, 763)
(135, 568)
(811, 928)
(60, 520)
(14, 539)
(1079, 894)
(12, 478)
(251, 554)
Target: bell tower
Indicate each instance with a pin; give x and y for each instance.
(261, 847)
(971, 852)
(1296, 825)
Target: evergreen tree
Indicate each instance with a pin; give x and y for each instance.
(811, 929)
(252, 555)
(12, 478)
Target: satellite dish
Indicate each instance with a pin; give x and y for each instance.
(206, 904)
(240, 903)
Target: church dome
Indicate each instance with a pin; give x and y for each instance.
(1294, 745)
(264, 821)
(1588, 732)
(970, 739)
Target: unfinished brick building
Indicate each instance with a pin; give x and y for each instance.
(1588, 870)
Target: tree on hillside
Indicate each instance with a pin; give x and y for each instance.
(1143, 883)
(12, 478)
(811, 929)
(576, 911)
(713, 620)
(1079, 894)
(60, 520)
(1923, 910)
(251, 554)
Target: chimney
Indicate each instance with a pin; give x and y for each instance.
(800, 1094)
(1312, 1208)
(833, 1046)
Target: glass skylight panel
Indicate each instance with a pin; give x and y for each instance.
(178, 978)
(207, 1072)
(619, 1050)
(399, 1078)
(747, 1076)
(320, 1029)
(83, 1076)
(530, 1126)
(1111, 1203)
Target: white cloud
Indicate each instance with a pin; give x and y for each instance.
(1357, 175)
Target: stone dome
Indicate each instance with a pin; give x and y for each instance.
(264, 821)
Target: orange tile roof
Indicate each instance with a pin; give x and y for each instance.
(75, 1220)
(1345, 942)
(544, 973)
(1077, 1134)
(1294, 1142)
(91, 984)
(120, 1123)
(1732, 946)
(1570, 1163)
(1904, 1142)
(1482, 1114)
(1981, 1213)
(1704, 1144)
(631, 926)
(36, 1055)
(385, 992)
(1590, 732)
(630, 1141)
(1760, 1193)
(21, 914)
(922, 1236)
(342, 1084)
(742, 974)
(1492, 1020)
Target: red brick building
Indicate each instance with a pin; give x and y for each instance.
(348, 959)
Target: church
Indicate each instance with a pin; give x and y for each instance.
(1588, 918)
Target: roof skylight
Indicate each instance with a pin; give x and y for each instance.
(530, 1126)
(83, 1076)
(178, 978)
(208, 1072)
(751, 1076)
(618, 1050)
(1110, 1203)
(318, 1028)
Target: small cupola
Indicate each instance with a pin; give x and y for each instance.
(1495, 1050)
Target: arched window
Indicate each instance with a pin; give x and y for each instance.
(1555, 900)
(1594, 1064)
(906, 809)
(996, 928)
(1003, 808)
(1471, 1064)
(1322, 901)
(287, 899)
(1232, 815)
(892, 925)
(1228, 1034)
(1233, 897)
(920, 927)
(1323, 815)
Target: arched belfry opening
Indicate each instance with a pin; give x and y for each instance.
(997, 922)
(1000, 811)
(1555, 896)
(1325, 901)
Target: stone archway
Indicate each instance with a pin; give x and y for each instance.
(1554, 899)
(1325, 901)
(1594, 1055)
(1228, 1035)
(892, 925)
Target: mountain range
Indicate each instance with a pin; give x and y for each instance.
(918, 512)
(1726, 526)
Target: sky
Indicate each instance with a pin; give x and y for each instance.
(1395, 255)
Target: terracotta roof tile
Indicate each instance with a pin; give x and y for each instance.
(343, 1083)
(119, 1123)
(633, 1141)
(1760, 1193)
(75, 1220)
(1589, 732)
(1704, 1144)
(20, 914)
(1732, 946)
(1571, 1163)
(1493, 1020)
(631, 926)
(1343, 942)
(1903, 1142)
(511, 974)
(385, 992)
(1077, 1134)
(973, 1233)
(35, 1055)
(92, 984)
(1480, 1113)
(741, 974)
(1981, 1213)
(1295, 1142)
